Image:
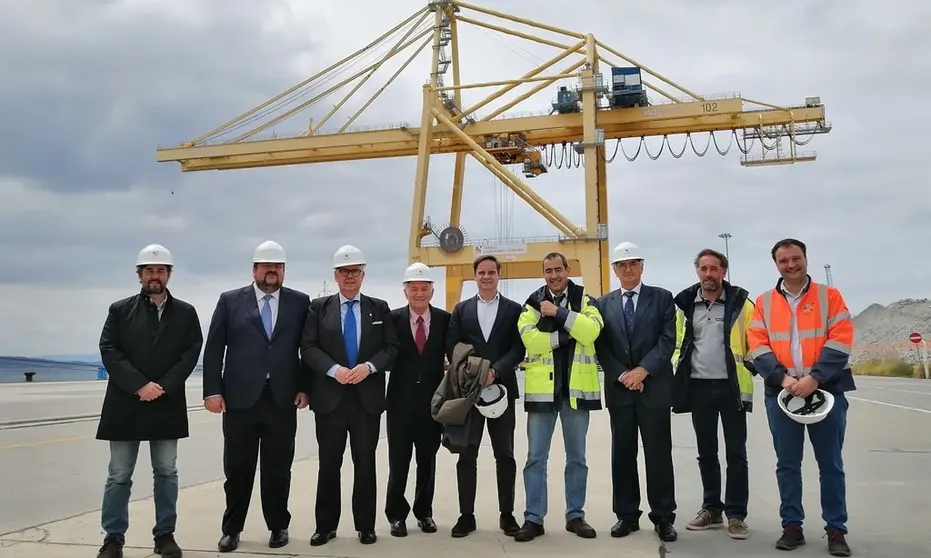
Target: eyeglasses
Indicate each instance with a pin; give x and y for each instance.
(350, 272)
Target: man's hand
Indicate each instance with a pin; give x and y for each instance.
(788, 382)
(804, 387)
(342, 375)
(301, 401)
(490, 379)
(547, 308)
(358, 373)
(150, 391)
(633, 378)
(215, 404)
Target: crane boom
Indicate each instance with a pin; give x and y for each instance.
(583, 118)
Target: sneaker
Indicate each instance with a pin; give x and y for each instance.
(792, 538)
(110, 549)
(737, 529)
(837, 544)
(705, 519)
(166, 546)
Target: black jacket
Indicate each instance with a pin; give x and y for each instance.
(137, 348)
(734, 300)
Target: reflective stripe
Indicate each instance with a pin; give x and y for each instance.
(837, 346)
(760, 351)
(570, 321)
(539, 397)
(588, 395)
(554, 339)
(841, 316)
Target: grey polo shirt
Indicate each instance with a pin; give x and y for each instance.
(708, 359)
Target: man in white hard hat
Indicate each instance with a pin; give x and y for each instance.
(415, 377)
(149, 345)
(635, 350)
(488, 322)
(349, 343)
(800, 340)
(252, 374)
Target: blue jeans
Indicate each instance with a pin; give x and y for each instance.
(114, 517)
(540, 427)
(827, 441)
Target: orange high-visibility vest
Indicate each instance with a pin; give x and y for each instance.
(823, 322)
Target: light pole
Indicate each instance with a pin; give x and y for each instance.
(727, 254)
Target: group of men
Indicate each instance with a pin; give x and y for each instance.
(271, 351)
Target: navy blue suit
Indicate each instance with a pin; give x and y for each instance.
(259, 378)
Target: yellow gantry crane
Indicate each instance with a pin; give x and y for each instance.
(583, 117)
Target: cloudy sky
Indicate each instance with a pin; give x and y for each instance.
(90, 89)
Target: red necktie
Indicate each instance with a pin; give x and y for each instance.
(420, 338)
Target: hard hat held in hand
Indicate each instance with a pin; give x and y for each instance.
(493, 401)
(348, 255)
(417, 272)
(269, 252)
(626, 251)
(154, 254)
(807, 410)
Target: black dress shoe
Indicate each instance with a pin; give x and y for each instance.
(322, 538)
(228, 543)
(398, 529)
(508, 524)
(464, 526)
(367, 536)
(623, 528)
(666, 532)
(427, 525)
(278, 538)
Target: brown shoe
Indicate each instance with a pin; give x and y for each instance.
(737, 529)
(705, 519)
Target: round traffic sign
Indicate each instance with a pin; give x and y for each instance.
(915, 337)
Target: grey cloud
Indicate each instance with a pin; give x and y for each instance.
(99, 87)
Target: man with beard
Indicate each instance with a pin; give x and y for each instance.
(149, 345)
(349, 342)
(252, 374)
(712, 380)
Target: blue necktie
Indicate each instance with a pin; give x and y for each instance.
(629, 312)
(349, 334)
(267, 315)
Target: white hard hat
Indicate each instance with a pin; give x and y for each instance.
(492, 401)
(808, 410)
(269, 252)
(417, 272)
(348, 255)
(154, 254)
(626, 251)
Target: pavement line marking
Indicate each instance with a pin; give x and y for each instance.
(882, 403)
(77, 438)
(910, 392)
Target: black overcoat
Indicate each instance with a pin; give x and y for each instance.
(137, 348)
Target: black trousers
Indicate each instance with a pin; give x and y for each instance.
(711, 399)
(501, 432)
(655, 428)
(349, 419)
(264, 430)
(412, 432)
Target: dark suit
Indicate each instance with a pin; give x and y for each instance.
(351, 409)
(505, 350)
(259, 379)
(651, 346)
(415, 377)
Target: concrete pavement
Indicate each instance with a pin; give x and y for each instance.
(888, 460)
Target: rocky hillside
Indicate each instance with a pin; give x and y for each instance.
(882, 331)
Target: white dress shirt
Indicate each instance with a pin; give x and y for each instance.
(273, 302)
(357, 312)
(487, 312)
(636, 297)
